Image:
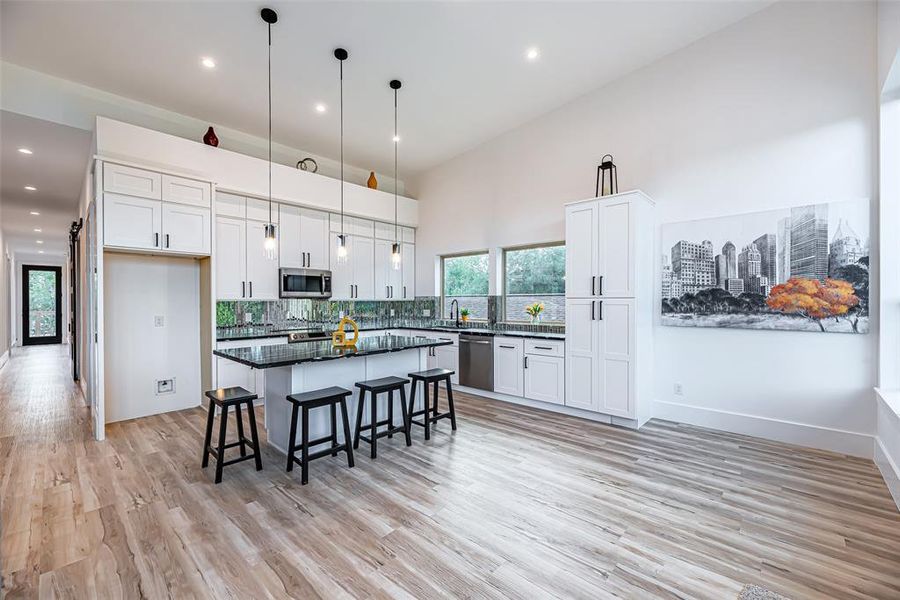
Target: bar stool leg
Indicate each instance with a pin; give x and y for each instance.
(426, 416)
(374, 428)
(292, 437)
(450, 404)
(254, 435)
(334, 428)
(405, 415)
(348, 447)
(220, 462)
(437, 390)
(412, 398)
(240, 428)
(304, 461)
(390, 413)
(210, 417)
(360, 406)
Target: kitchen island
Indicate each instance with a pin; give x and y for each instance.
(311, 365)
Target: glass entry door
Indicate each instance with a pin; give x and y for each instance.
(41, 305)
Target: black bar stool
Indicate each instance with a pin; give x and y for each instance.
(430, 413)
(331, 397)
(375, 387)
(225, 398)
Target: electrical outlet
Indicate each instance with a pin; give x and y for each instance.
(426, 312)
(165, 386)
(392, 312)
(341, 315)
(159, 321)
(679, 391)
(248, 317)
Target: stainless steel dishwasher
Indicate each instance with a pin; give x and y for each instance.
(476, 361)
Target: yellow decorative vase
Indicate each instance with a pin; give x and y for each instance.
(372, 182)
(339, 338)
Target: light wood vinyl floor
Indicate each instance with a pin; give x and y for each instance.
(517, 503)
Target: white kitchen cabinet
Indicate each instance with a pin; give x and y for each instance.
(132, 222)
(545, 378)
(582, 243)
(610, 305)
(230, 205)
(582, 354)
(185, 228)
(509, 364)
(355, 278)
(258, 210)
(119, 179)
(352, 225)
(231, 258)
(262, 272)
(230, 373)
(408, 277)
(408, 235)
(445, 357)
(388, 281)
(303, 238)
(186, 191)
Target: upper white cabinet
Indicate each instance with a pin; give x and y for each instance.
(353, 225)
(144, 210)
(388, 280)
(229, 205)
(303, 237)
(120, 179)
(609, 305)
(131, 222)
(353, 279)
(262, 272)
(231, 258)
(408, 265)
(185, 191)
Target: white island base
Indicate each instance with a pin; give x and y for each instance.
(342, 372)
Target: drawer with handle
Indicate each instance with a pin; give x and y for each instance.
(545, 347)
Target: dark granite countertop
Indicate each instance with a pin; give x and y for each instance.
(281, 355)
(262, 331)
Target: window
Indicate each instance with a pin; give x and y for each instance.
(535, 274)
(464, 278)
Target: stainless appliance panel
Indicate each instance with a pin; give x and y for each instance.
(304, 283)
(476, 361)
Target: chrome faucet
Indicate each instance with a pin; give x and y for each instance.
(456, 302)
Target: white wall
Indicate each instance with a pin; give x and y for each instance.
(138, 288)
(5, 336)
(776, 110)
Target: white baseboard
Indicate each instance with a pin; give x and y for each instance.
(890, 471)
(4, 358)
(801, 434)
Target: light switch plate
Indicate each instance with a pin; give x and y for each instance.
(426, 312)
(392, 312)
(165, 386)
(159, 321)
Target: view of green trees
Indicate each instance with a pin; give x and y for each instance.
(41, 303)
(466, 275)
(536, 271)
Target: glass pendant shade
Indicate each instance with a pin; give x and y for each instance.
(271, 243)
(395, 256)
(341, 249)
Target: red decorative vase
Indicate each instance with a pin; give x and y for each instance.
(210, 138)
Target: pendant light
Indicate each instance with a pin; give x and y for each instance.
(341, 55)
(270, 244)
(395, 249)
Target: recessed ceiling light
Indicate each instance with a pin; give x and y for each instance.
(396, 139)
(40, 241)
(30, 188)
(38, 230)
(208, 62)
(25, 151)
(35, 213)
(321, 107)
(532, 53)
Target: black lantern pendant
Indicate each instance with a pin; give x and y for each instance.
(605, 170)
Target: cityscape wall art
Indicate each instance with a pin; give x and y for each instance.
(804, 268)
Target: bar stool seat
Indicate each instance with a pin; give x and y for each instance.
(375, 387)
(304, 402)
(226, 398)
(429, 412)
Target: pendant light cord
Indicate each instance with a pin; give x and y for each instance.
(270, 124)
(396, 183)
(342, 150)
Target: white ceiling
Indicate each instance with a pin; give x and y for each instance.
(465, 77)
(56, 169)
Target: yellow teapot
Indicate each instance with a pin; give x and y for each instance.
(339, 338)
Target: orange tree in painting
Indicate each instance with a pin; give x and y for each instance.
(815, 300)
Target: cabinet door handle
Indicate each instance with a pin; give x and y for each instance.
(507, 347)
(404, 292)
(387, 291)
(251, 289)
(167, 240)
(601, 310)
(601, 286)
(593, 305)
(308, 259)
(526, 362)
(243, 289)
(593, 285)
(156, 240)
(543, 348)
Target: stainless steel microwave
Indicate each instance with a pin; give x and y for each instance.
(304, 283)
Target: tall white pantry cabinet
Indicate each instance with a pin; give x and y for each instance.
(609, 306)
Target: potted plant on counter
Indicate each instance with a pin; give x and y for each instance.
(534, 311)
(464, 315)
